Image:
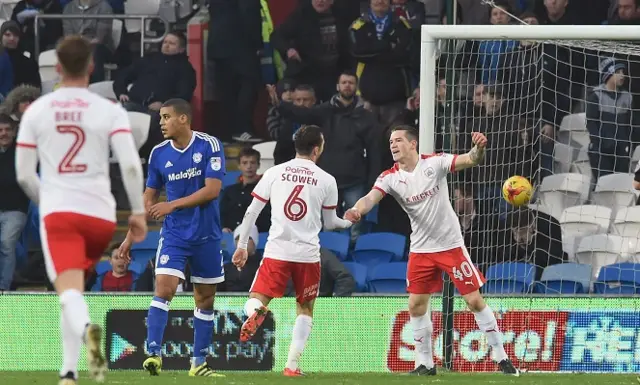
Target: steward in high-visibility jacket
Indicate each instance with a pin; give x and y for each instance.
(270, 60)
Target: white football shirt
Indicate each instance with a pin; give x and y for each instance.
(71, 129)
(424, 196)
(299, 191)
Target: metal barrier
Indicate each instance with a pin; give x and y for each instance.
(143, 19)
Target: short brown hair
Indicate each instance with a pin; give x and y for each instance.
(307, 138)
(74, 55)
(249, 152)
(410, 132)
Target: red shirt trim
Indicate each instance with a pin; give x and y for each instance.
(379, 189)
(119, 130)
(26, 145)
(258, 197)
(329, 207)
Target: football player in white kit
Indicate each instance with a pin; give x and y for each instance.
(70, 131)
(419, 183)
(302, 196)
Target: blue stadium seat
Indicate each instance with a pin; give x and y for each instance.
(146, 250)
(336, 242)
(262, 241)
(370, 221)
(137, 267)
(388, 278)
(359, 273)
(228, 247)
(103, 267)
(510, 277)
(619, 278)
(231, 177)
(564, 278)
(375, 248)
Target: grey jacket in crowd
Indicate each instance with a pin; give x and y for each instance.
(89, 28)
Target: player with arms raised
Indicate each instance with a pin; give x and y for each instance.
(190, 166)
(419, 184)
(69, 131)
(302, 196)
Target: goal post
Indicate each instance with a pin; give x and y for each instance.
(432, 33)
(567, 196)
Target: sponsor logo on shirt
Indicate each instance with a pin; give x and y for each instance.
(187, 174)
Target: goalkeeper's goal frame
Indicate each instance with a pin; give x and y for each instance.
(429, 52)
(431, 34)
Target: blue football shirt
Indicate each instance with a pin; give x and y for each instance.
(182, 172)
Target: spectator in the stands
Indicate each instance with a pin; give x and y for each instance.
(241, 280)
(18, 100)
(533, 237)
(98, 31)
(233, 49)
(351, 136)
(154, 79)
(411, 10)
(335, 278)
(276, 124)
(486, 55)
(478, 228)
(609, 121)
(25, 69)
(119, 278)
(14, 204)
(237, 197)
(6, 73)
(49, 31)
(313, 40)
(382, 43)
(626, 12)
(303, 96)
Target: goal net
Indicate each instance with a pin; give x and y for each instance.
(558, 107)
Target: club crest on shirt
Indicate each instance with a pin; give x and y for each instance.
(429, 172)
(216, 163)
(197, 157)
(164, 258)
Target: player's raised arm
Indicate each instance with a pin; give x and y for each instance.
(473, 157)
(329, 217)
(368, 202)
(27, 158)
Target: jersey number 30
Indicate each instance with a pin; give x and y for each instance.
(66, 164)
(295, 208)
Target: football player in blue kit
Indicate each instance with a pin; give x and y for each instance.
(189, 165)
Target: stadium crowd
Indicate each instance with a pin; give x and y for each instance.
(352, 68)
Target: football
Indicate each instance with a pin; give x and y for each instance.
(517, 190)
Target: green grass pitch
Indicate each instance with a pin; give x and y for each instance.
(261, 378)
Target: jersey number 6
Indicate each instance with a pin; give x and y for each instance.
(66, 164)
(295, 208)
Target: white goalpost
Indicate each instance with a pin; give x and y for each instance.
(432, 33)
(587, 211)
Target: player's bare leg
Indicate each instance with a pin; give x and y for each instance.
(256, 310)
(486, 321)
(203, 295)
(166, 286)
(76, 327)
(301, 332)
(420, 314)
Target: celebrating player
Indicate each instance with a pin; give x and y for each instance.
(190, 166)
(69, 131)
(419, 184)
(299, 192)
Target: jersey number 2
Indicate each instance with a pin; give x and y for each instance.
(295, 208)
(66, 164)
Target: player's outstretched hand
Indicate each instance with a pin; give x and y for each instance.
(137, 228)
(352, 216)
(240, 258)
(478, 139)
(160, 209)
(124, 251)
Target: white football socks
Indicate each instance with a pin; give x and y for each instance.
(422, 338)
(301, 332)
(74, 318)
(251, 305)
(486, 321)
